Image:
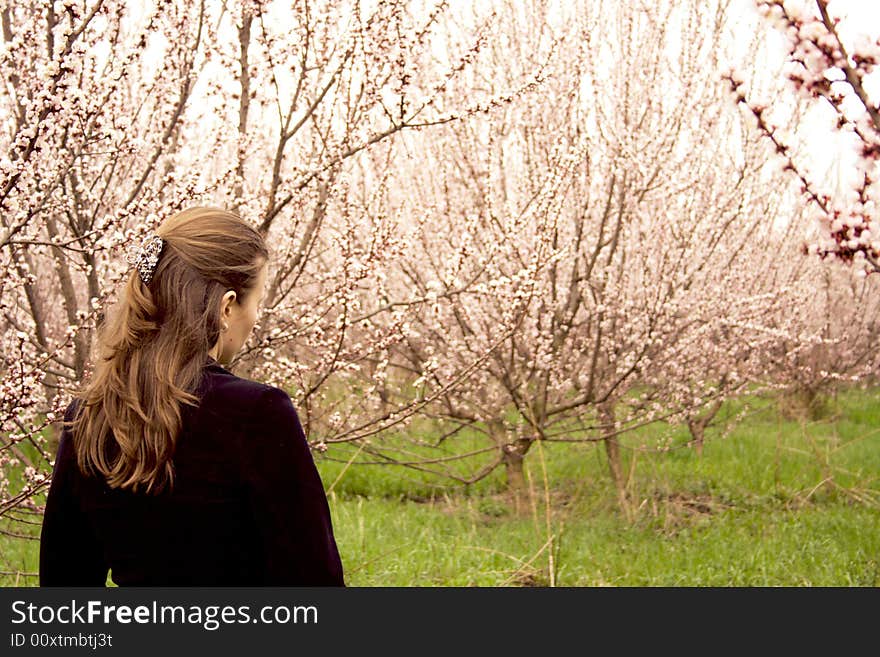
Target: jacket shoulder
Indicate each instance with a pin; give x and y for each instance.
(231, 395)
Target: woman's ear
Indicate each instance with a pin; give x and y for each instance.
(226, 304)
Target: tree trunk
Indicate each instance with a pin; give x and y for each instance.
(612, 450)
(516, 481)
(697, 426)
(698, 431)
(512, 456)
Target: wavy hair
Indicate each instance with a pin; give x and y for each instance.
(153, 348)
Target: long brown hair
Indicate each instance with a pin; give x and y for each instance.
(152, 350)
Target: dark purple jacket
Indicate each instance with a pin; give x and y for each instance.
(248, 507)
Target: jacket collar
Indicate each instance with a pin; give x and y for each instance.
(214, 366)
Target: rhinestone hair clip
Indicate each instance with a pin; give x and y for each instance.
(148, 256)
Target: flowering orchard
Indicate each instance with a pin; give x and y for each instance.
(641, 258)
(116, 114)
(534, 221)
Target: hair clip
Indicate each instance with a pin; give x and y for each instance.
(148, 256)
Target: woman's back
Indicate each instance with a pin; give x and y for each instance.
(247, 507)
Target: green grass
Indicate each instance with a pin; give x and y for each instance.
(387, 543)
(771, 502)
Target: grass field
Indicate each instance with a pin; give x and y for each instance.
(772, 502)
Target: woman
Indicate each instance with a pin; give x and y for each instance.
(170, 469)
